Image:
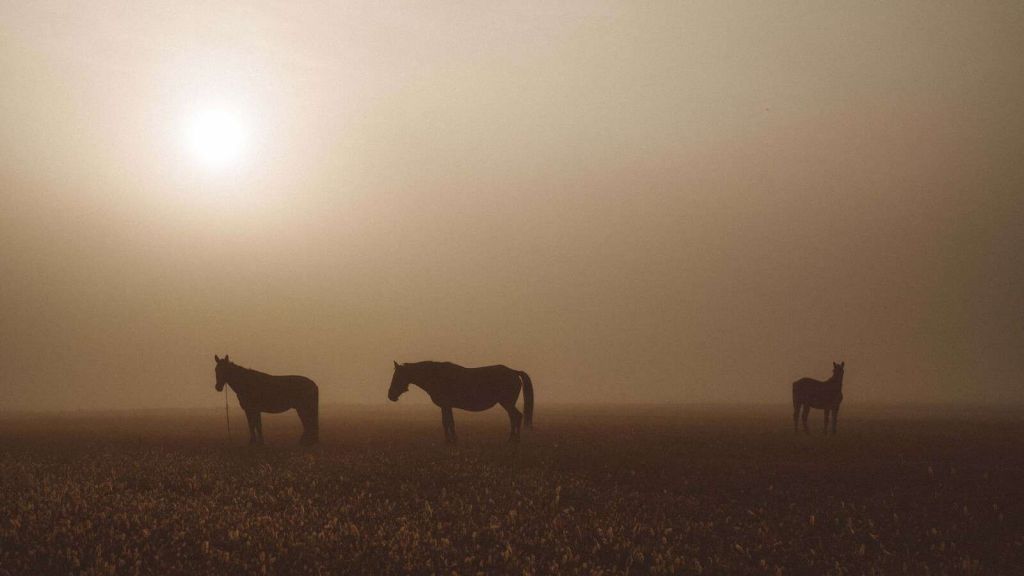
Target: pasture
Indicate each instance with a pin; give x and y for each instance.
(591, 490)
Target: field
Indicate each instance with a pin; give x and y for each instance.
(595, 490)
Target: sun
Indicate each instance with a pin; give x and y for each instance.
(217, 137)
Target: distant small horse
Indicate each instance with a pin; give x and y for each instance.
(810, 393)
(258, 392)
(475, 389)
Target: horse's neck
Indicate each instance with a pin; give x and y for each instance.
(241, 380)
(426, 379)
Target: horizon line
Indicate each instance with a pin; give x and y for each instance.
(943, 404)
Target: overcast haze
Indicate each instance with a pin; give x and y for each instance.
(668, 202)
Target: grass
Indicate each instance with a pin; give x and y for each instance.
(595, 490)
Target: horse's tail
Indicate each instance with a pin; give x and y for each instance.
(798, 394)
(527, 398)
(316, 412)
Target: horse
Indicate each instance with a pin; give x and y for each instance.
(810, 393)
(258, 392)
(474, 389)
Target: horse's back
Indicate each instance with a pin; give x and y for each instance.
(477, 388)
(291, 384)
(495, 370)
(295, 380)
(805, 384)
(280, 393)
(816, 393)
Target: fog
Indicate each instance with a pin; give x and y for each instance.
(661, 203)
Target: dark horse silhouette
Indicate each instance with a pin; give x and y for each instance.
(810, 393)
(258, 392)
(475, 389)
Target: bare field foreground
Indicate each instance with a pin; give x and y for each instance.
(591, 490)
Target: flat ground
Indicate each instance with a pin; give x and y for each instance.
(606, 490)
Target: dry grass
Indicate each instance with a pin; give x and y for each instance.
(590, 491)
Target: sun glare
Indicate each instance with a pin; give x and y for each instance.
(217, 137)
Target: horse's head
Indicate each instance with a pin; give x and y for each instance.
(399, 383)
(223, 366)
(837, 371)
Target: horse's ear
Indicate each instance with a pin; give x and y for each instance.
(227, 357)
(396, 365)
(216, 358)
(842, 364)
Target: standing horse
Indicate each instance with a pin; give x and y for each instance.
(475, 389)
(258, 392)
(810, 393)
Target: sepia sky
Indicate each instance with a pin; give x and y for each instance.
(633, 202)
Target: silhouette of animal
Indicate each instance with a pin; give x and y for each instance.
(474, 389)
(258, 392)
(826, 395)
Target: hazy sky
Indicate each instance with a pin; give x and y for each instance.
(643, 202)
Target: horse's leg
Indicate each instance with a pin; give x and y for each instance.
(305, 418)
(259, 426)
(515, 418)
(796, 417)
(250, 418)
(826, 411)
(450, 436)
(803, 416)
(835, 416)
(445, 414)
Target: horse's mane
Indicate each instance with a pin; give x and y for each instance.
(431, 365)
(246, 371)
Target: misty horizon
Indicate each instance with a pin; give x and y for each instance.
(671, 203)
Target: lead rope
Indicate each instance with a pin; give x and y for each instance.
(227, 418)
